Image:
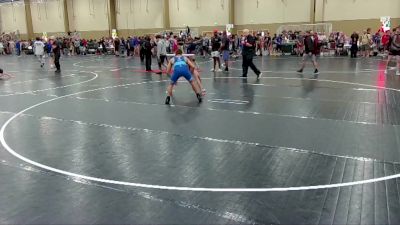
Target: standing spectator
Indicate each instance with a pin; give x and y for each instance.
(49, 48)
(205, 45)
(103, 45)
(56, 55)
(267, 44)
(71, 47)
(366, 42)
(385, 41)
(215, 47)
(77, 44)
(225, 49)
(394, 49)
(122, 47)
(248, 52)
(83, 47)
(311, 50)
(147, 52)
(354, 44)
(131, 43)
(38, 47)
(167, 44)
(116, 46)
(141, 49)
(300, 44)
(18, 47)
(174, 43)
(161, 52)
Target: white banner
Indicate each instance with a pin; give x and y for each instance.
(385, 23)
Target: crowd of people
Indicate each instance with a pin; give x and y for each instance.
(218, 45)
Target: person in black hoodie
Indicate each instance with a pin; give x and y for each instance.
(57, 54)
(147, 52)
(248, 52)
(141, 49)
(354, 44)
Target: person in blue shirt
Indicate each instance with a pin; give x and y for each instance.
(49, 48)
(181, 66)
(278, 42)
(18, 47)
(131, 49)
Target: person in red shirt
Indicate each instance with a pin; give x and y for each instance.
(311, 51)
(385, 40)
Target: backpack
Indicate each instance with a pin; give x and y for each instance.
(147, 45)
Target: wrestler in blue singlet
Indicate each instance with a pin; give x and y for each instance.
(181, 69)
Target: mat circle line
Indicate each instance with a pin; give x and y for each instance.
(181, 188)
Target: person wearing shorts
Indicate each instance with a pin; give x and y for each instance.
(225, 49)
(181, 65)
(394, 49)
(311, 50)
(38, 47)
(366, 41)
(215, 47)
(161, 52)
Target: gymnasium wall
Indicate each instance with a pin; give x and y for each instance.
(48, 17)
(139, 16)
(199, 13)
(357, 15)
(249, 12)
(13, 18)
(89, 17)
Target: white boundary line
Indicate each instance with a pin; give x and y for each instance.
(48, 89)
(33, 80)
(326, 72)
(173, 188)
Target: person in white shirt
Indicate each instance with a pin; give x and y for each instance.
(161, 52)
(38, 47)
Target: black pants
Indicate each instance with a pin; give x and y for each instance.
(161, 60)
(57, 63)
(77, 51)
(204, 50)
(248, 62)
(354, 50)
(148, 62)
(141, 53)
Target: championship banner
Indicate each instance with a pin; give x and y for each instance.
(385, 23)
(44, 36)
(229, 28)
(114, 33)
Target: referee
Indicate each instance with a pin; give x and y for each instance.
(248, 52)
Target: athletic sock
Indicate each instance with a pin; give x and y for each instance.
(199, 98)
(168, 100)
